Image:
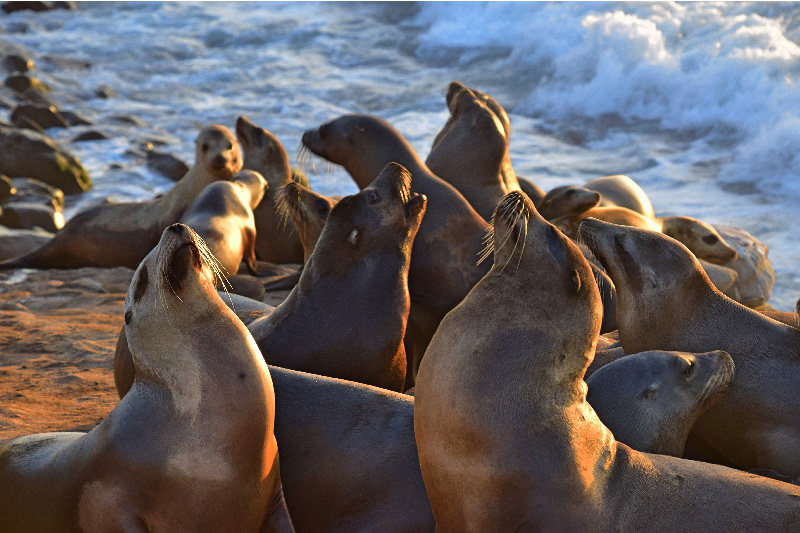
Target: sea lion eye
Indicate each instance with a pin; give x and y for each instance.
(689, 369)
(204, 148)
(128, 317)
(229, 146)
(373, 197)
(710, 239)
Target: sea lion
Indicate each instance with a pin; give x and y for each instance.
(222, 214)
(506, 439)
(701, 238)
(122, 234)
(666, 302)
(276, 239)
(354, 288)
(190, 447)
(621, 191)
(567, 200)
(651, 400)
(471, 150)
(348, 456)
(443, 262)
(308, 210)
(755, 274)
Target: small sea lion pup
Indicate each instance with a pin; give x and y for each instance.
(222, 214)
(348, 456)
(621, 191)
(122, 234)
(309, 211)
(443, 263)
(276, 239)
(506, 439)
(651, 400)
(471, 151)
(190, 447)
(567, 200)
(666, 302)
(355, 288)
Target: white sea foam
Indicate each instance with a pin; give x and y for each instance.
(698, 102)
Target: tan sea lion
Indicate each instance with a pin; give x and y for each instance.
(621, 191)
(276, 239)
(222, 214)
(567, 200)
(122, 234)
(190, 447)
(701, 238)
(666, 302)
(443, 263)
(348, 456)
(308, 210)
(471, 150)
(651, 400)
(506, 439)
(354, 289)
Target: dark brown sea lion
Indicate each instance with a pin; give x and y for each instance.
(666, 302)
(506, 439)
(651, 400)
(621, 191)
(471, 151)
(348, 456)
(190, 447)
(222, 214)
(443, 263)
(122, 234)
(276, 239)
(353, 289)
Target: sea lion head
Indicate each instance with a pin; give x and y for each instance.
(263, 152)
(309, 211)
(529, 248)
(254, 183)
(362, 144)
(700, 238)
(179, 272)
(651, 400)
(382, 218)
(217, 149)
(567, 200)
(657, 278)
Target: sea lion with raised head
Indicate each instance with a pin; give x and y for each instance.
(122, 234)
(443, 262)
(666, 302)
(308, 210)
(222, 214)
(651, 400)
(276, 239)
(471, 150)
(621, 191)
(354, 287)
(506, 439)
(190, 447)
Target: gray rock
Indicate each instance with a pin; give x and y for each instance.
(33, 191)
(44, 116)
(17, 242)
(91, 135)
(167, 165)
(28, 216)
(75, 119)
(25, 153)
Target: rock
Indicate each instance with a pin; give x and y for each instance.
(167, 165)
(756, 276)
(32, 96)
(104, 91)
(25, 153)
(22, 82)
(17, 242)
(7, 188)
(28, 216)
(91, 135)
(75, 119)
(46, 117)
(28, 124)
(6, 103)
(33, 191)
(128, 119)
(17, 63)
(11, 7)
(9, 48)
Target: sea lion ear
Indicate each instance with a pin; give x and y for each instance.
(650, 392)
(353, 237)
(651, 276)
(576, 281)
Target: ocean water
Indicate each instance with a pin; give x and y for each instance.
(698, 102)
